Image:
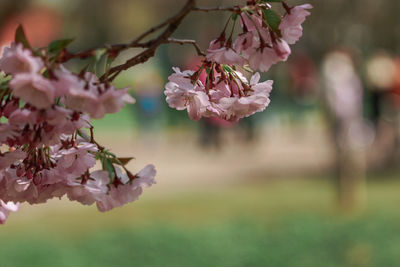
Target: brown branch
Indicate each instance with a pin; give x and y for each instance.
(186, 41)
(209, 9)
(172, 23)
(150, 46)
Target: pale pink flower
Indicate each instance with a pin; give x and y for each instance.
(33, 89)
(7, 131)
(66, 82)
(261, 55)
(73, 162)
(36, 189)
(282, 50)
(255, 100)
(111, 101)
(16, 60)
(250, 22)
(23, 116)
(51, 123)
(9, 158)
(92, 190)
(10, 108)
(290, 26)
(5, 209)
(182, 94)
(223, 55)
(89, 95)
(262, 59)
(247, 43)
(118, 196)
(80, 96)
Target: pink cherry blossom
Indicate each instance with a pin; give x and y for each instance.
(282, 50)
(250, 22)
(182, 94)
(263, 59)
(256, 100)
(80, 95)
(260, 50)
(73, 162)
(89, 95)
(5, 209)
(222, 54)
(247, 43)
(111, 101)
(290, 26)
(66, 82)
(16, 60)
(24, 187)
(11, 157)
(7, 131)
(92, 190)
(33, 89)
(122, 194)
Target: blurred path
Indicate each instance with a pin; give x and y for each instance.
(183, 164)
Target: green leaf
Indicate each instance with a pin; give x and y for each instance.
(84, 135)
(99, 53)
(234, 16)
(58, 45)
(107, 166)
(273, 19)
(20, 37)
(110, 153)
(228, 69)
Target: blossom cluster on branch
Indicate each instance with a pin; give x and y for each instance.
(226, 93)
(48, 149)
(45, 110)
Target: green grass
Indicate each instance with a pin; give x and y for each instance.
(291, 223)
(121, 121)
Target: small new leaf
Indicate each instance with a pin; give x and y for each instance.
(228, 69)
(273, 19)
(20, 37)
(234, 16)
(125, 161)
(58, 45)
(107, 166)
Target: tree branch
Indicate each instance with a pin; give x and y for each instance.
(209, 9)
(186, 41)
(172, 23)
(150, 46)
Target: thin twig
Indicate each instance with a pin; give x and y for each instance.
(172, 23)
(210, 9)
(186, 41)
(150, 46)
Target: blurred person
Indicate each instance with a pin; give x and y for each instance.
(249, 129)
(343, 93)
(148, 84)
(395, 101)
(381, 73)
(303, 77)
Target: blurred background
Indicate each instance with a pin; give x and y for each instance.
(312, 181)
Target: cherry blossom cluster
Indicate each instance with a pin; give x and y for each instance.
(265, 40)
(48, 148)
